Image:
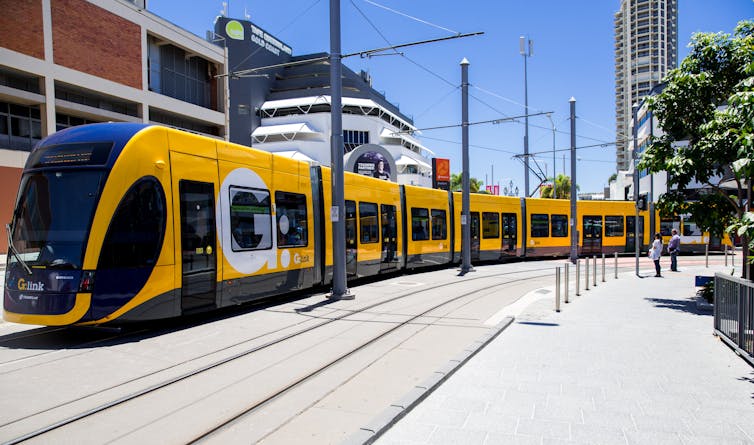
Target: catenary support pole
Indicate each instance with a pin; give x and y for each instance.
(465, 216)
(338, 209)
(574, 216)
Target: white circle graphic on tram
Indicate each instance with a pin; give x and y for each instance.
(284, 224)
(285, 258)
(244, 220)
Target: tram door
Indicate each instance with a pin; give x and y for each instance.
(389, 237)
(509, 234)
(352, 237)
(195, 182)
(474, 236)
(592, 234)
(631, 232)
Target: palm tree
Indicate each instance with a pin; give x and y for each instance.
(456, 183)
(562, 188)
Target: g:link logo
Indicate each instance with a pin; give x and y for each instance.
(24, 285)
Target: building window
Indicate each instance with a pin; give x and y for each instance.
(177, 74)
(94, 100)
(170, 120)
(63, 121)
(19, 81)
(20, 126)
(354, 138)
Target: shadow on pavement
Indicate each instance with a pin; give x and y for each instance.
(688, 306)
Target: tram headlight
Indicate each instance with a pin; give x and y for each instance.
(87, 282)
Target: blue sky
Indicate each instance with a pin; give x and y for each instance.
(573, 57)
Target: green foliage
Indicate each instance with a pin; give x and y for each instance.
(562, 188)
(456, 183)
(709, 102)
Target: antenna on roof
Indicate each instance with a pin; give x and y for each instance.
(224, 11)
(246, 15)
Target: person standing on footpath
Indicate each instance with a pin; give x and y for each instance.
(674, 248)
(655, 252)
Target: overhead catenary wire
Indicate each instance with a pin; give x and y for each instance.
(409, 16)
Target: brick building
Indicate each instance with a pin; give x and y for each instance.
(70, 62)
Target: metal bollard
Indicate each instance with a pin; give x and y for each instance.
(594, 269)
(578, 276)
(557, 289)
(706, 255)
(566, 282)
(603, 267)
(616, 265)
(585, 285)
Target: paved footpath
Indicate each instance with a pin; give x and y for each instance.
(632, 361)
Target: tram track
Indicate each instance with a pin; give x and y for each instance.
(331, 317)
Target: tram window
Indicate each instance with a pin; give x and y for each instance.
(439, 224)
(490, 225)
(351, 225)
(690, 228)
(291, 219)
(250, 219)
(667, 224)
(369, 226)
(540, 225)
(419, 224)
(559, 225)
(592, 227)
(134, 238)
(613, 226)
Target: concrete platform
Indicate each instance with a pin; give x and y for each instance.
(633, 361)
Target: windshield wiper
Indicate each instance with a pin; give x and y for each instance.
(12, 249)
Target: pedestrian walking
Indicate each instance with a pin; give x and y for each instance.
(655, 252)
(674, 248)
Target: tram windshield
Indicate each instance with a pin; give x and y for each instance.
(52, 217)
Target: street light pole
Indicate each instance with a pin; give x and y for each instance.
(525, 48)
(635, 157)
(552, 124)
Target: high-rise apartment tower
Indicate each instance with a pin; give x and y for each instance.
(646, 48)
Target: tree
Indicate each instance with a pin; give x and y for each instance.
(456, 181)
(562, 188)
(707, 101)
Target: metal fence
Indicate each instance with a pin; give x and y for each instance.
(734, 314)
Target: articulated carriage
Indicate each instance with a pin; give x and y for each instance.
(135, 222)
(495, 225)
(429, 234)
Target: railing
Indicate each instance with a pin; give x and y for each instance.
(734, 314)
